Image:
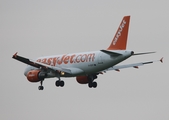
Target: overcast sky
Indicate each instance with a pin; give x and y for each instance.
(36, 28)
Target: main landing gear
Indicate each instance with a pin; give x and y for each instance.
(91, 81)
(59, 82)
(92, 84)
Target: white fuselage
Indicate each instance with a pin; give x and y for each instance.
(85, 66)
(84, 63)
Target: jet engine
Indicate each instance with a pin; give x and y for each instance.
(82, 79)
(36, 75)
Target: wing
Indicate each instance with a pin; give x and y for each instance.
(40, 65)
(135, 65)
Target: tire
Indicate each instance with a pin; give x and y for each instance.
(94, 84)
(40, 87)
(90, 85)
(62, 83)
(57, 83)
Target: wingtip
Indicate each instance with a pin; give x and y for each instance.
(14, 56)
(161, 60)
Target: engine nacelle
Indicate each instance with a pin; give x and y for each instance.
(35, 75)
(82, 79)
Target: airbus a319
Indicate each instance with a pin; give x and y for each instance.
(85, 66)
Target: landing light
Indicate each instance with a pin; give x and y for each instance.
(62, 73)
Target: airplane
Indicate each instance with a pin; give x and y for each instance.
(85, 66)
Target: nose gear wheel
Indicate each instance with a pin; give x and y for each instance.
(41, 87)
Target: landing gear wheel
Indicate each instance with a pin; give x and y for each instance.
(40, 87)
(94, 84)
(62, 83)
(90, 85)
(59, 83)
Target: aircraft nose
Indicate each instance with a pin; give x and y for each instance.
(26, 71)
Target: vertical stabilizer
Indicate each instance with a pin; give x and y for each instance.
(119, 41)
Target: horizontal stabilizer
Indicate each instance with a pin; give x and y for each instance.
(143, 53)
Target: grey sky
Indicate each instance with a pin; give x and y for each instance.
(37, 27)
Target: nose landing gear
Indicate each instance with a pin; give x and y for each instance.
(41, 87)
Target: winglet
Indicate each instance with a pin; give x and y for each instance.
(119, 41)
(143, 53)
(14, 56)
(161, 60)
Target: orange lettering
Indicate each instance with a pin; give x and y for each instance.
(90, 57)
(71, 58)
(60, 61)
(44, 61)
(54, 60)
(78, 59)
(66, 59)
(39, 60)
(84, 58)
(49, 61)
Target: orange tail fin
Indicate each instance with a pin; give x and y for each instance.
(119, 41)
